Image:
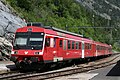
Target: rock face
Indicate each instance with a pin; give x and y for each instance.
(9, 22)
(105, 8)
(5, 49)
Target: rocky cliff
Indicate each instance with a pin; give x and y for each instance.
(9, 22)
(109, 10)
(105, 8)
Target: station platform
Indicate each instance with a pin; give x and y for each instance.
(6, 66)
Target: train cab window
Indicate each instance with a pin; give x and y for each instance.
(47, 42)
(69, 47)
(77, 45)
(64, 47)
(60, 43)
(73, 44)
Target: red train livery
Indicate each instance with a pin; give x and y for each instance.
(37, 44)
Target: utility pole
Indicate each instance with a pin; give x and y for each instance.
(93, 22)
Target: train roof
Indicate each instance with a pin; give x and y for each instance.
(52, 28)
(102, 44)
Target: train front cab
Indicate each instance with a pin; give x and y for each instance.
(28, 45)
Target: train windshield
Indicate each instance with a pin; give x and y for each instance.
(28, 40)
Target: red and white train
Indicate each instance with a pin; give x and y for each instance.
(35, 44)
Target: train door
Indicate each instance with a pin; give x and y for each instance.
(60, 47)
(97, 48)
(94, 49)
(65, 48)
(50, 48)
(80, 49)
(83, 49)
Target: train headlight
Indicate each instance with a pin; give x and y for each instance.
(15, 52)
(12, 52)
(38, 53)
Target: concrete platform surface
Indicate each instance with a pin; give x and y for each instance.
(6, 66)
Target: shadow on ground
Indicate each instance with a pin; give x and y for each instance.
(115, 71)
(11, 67)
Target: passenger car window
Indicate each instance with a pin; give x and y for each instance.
(60, 43)
(77, 45)
(69, 47)
(64, 47)
(73, 44)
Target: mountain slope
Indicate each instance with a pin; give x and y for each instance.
(58, 13)
(105, 8)
(72, 15)
(109, 10)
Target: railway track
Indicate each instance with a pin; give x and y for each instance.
(62, 72)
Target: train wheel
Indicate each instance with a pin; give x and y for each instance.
(17, 64)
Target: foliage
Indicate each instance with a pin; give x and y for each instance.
(61, 13)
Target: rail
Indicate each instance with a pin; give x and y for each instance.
(62, 72)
